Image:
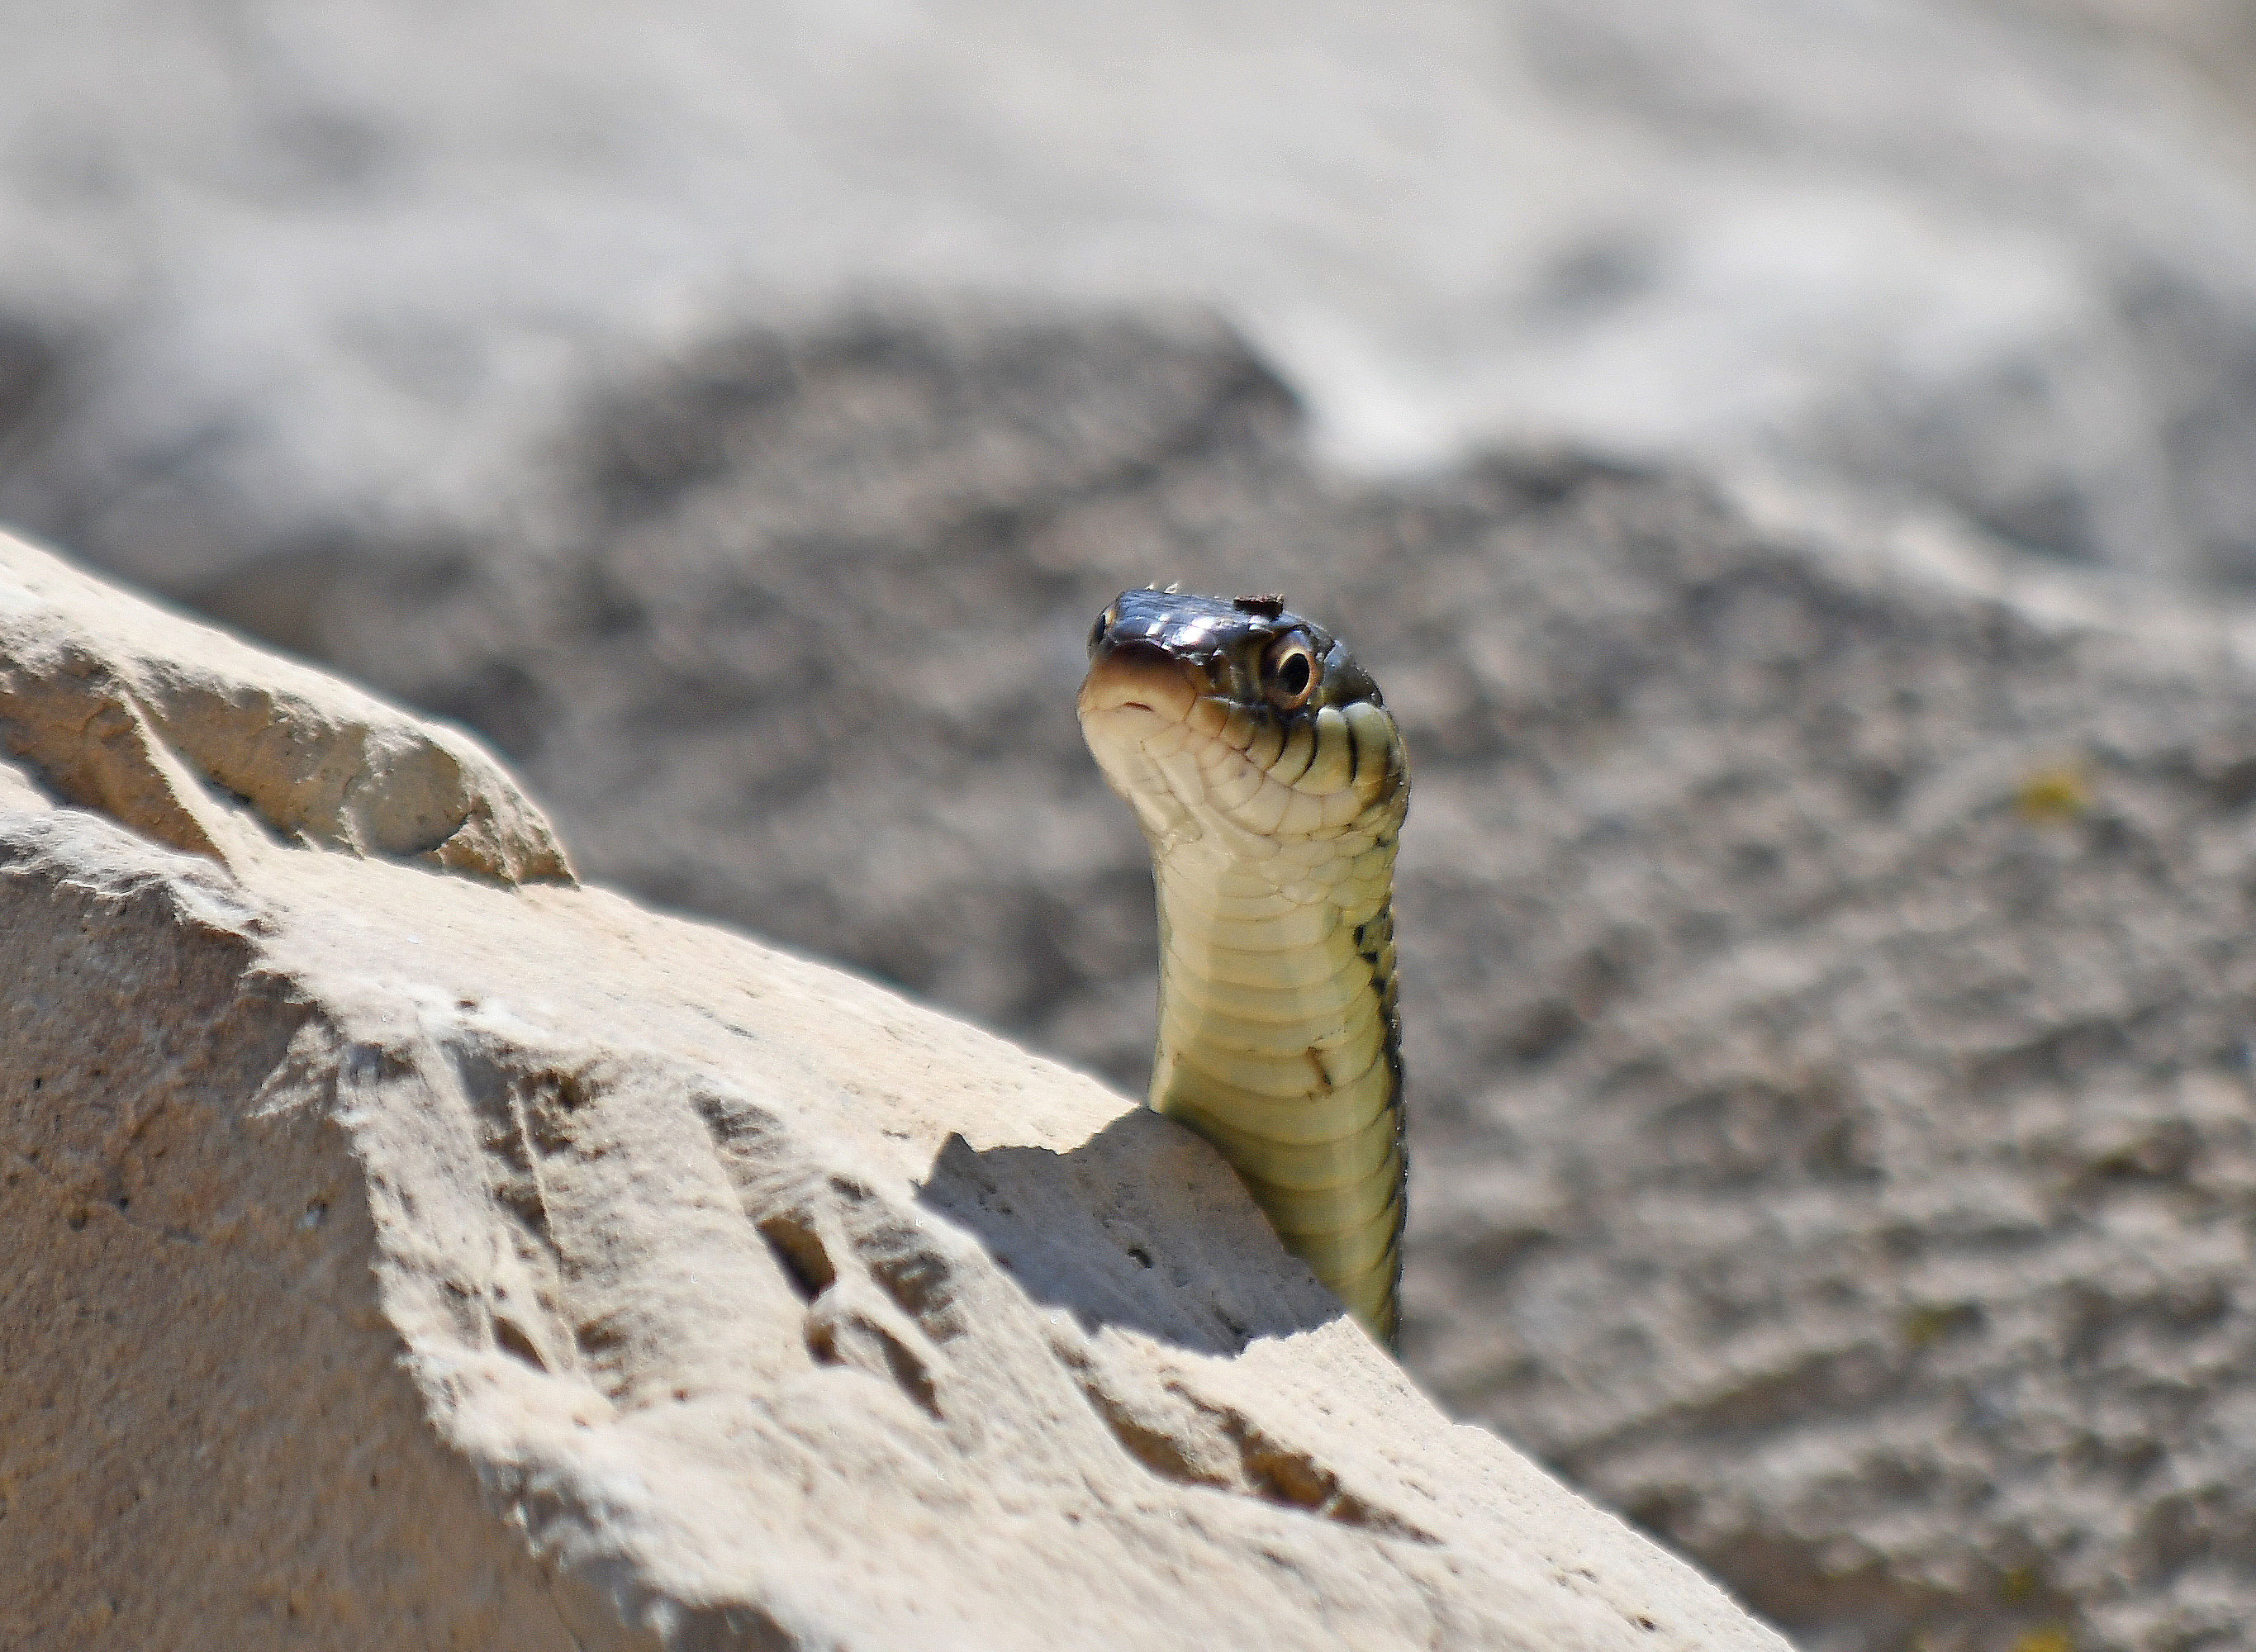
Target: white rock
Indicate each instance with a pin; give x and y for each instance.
(402, 1258)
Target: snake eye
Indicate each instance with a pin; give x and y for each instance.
(1096, 631)
(1289, 673)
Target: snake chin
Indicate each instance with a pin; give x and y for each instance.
(1238, 782)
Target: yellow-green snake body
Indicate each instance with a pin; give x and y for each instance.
(1271, 783)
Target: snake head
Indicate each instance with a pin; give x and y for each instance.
(1239, 719)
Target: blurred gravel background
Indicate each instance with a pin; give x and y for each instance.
(290, 281)
(1788, 464)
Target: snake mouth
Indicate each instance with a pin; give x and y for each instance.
(1133, 674)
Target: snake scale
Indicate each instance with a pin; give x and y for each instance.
(1271, 783)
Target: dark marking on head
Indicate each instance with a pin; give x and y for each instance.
(1243, 649)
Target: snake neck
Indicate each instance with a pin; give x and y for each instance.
(1279, 1042)
(1271, 782)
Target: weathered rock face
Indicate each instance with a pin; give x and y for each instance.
(1826, 955)
(128, 710)
(400, 1257)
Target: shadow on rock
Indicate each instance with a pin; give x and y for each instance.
(1142, 1227)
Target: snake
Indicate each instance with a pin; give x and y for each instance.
(1271, 783)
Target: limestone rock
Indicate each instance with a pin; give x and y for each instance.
(398, 1257)
(167, 725)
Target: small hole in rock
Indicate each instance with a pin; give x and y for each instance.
(798, 1249)
(513, 1341)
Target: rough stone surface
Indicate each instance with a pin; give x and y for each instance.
(292, 281)
(1826, 946)
(398, 1258)
(146, 716)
